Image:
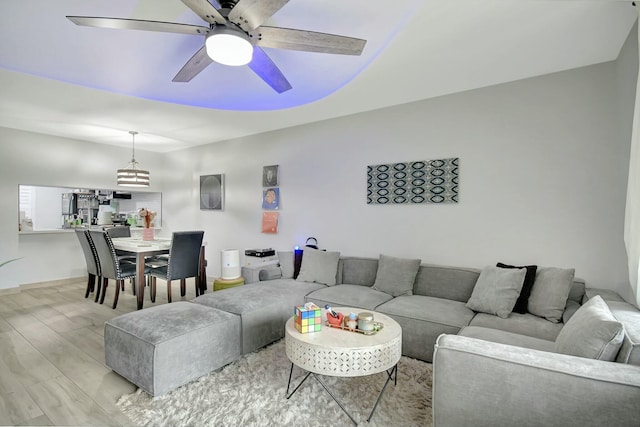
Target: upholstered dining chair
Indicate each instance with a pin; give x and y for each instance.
(110, 265)
(123, 231)
(91, 258)
(183, 262)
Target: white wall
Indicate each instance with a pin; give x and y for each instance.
(542, 180)
(35, 159)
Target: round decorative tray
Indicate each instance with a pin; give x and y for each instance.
(376, 325)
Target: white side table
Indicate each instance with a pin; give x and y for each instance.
(339, 353)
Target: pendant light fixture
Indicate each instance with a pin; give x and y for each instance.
(131, 176)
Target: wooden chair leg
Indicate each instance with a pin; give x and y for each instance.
(98, 290)
(152, 286)
(104, 289)
(197, 282)
(133, 286)
(115, 298)
(168, 290)
(183, 287)
(91, 282)
(203, 271)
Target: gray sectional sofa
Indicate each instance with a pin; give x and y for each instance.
(489, 368)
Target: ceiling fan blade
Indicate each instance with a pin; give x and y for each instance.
(264, 67)
(198, 62)
(206, 11)
(138, 24)
(250, 14)
(309, 41)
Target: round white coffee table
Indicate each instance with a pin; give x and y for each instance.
(342, 353)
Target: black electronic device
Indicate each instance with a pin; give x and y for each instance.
(260, 253)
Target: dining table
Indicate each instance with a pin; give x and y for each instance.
(142, 249)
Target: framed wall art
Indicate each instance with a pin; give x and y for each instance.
(212, 192)
(271, 199)
(270, 176)
(419, 182)
(270, 222)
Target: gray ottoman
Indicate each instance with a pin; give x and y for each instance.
(163, 347)
(264, 308)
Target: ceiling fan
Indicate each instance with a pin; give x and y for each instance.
(235, 36)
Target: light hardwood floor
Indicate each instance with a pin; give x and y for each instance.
(52, 369)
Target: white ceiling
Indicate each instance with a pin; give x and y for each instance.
(97, 84)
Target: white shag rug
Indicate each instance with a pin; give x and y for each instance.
(251, 392)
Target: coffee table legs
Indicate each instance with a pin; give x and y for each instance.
(392, 374)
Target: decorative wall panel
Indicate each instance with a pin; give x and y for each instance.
(426, 181)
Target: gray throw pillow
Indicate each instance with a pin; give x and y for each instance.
(497, 291)
(319, 267)
(395, 276)
(286, 264)
(550, 292)
(591, 332)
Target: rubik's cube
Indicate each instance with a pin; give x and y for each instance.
(308, 319)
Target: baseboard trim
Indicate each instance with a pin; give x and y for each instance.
(36, 285)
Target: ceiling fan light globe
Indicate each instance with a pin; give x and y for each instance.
(229, 48)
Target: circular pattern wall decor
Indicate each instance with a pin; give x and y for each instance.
(419, 182)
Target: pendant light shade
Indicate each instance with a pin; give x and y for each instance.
(132, 176)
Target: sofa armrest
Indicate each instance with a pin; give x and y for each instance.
(480, 383)
(258, 273)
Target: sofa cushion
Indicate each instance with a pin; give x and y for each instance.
(504, 337)
(395, 276)
(524, 324)
(423, 319)
(527, 285)
(436, 310)
(348, 295)
(357, 271)
(550, 292)
(592, 332)
(319, 267)
(497, 290)
(286, 263)
(263, 307)
(453, 283)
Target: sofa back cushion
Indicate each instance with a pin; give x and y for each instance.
(454, 283)
(578, 291)
(357, 271)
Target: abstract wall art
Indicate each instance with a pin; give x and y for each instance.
(419, 182)
(212, 192)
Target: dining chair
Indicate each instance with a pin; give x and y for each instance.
(110, 265)
(123, 256)
(183, 262)
(91, 259)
